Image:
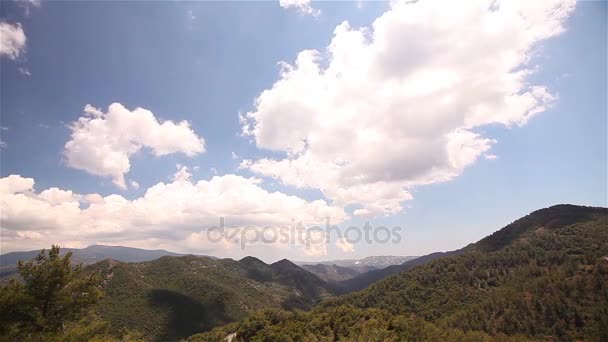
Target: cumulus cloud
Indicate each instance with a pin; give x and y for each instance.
(301, 5)
(12, 40)
(399, 104)
(173, 214)
(183, 174)
(102, 143)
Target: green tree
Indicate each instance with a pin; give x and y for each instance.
(53, 293)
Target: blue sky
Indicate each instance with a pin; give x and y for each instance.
(207, 62)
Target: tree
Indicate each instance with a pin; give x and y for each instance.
(53, 294)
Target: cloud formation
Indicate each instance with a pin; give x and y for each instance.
(102, 143)
(169, 215)
(400, 104)
(12, 40)
(301, 5)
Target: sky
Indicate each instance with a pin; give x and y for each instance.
(142, 123)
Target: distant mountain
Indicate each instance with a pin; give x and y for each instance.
(542, 277)
(173, 297)
(332, 273)
(93, 254)
(87, 256)
(336, 271)
(365, 264)
(363, 280)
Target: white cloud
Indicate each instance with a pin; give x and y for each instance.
(134, 184)
(234, 156)
(102, 143)
(490, 156)
(344, 245)
(12, 40)
(172, 214)
(398, 105)
(182, 175)
(301, 5)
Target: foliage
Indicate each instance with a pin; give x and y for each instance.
(548, 281)
(52, 293)
(53, 303)
(341, 323)
(175, 297)
(543, 277)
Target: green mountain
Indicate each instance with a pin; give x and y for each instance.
(174, 297)
(543, 277)
(356, 274)
(332, 273)
(363, 280)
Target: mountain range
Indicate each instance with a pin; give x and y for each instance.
(542, 277)
(173, 297)
(87, 256)
(364, 264)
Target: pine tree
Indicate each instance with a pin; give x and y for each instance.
(52, 294)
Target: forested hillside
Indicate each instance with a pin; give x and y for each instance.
(542, 277)
(174, 297)
(364, 280)
(332, 273)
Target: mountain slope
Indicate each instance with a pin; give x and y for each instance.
(364, 280)
(332, 273)
(174, 297)
(544, 276)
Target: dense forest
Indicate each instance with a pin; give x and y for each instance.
(543, 277)
(174, 297)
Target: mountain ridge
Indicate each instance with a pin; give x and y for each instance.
(175, 296)
(541, 277)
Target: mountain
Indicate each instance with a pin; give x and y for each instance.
(174, 297)
(365, 264)
(363, 280)
(332, 273)
(92, 254)
(542, 277)
(87, 256)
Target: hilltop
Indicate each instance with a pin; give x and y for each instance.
(543, 276)
(174, 297)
